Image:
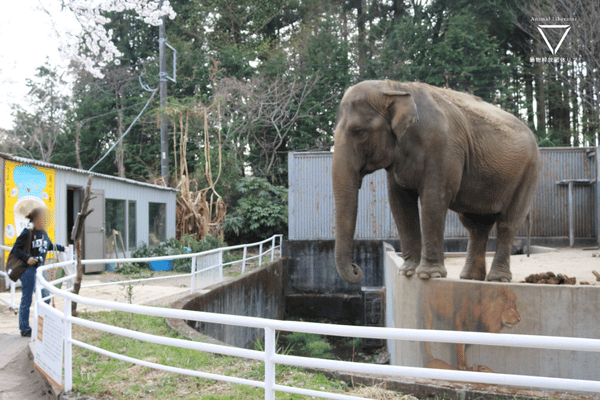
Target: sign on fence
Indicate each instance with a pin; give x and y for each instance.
(49, 346)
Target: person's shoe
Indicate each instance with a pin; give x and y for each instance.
(26, 333)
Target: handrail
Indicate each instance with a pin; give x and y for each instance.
(180, 256)
(8, 282)
(271, 358)
(420, 335)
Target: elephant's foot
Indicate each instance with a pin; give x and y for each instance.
(473, 272)
(426, 271)
(409, 268)
(499, 274)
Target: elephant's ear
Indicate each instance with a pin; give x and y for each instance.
(402, 109)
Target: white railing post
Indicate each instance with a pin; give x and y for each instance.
(221, 266)
(193, 276)
(260, 254)
(280, 246)
(68, 358)
(270, 346)
(244, 259)
(38, 298)
(273, 248)
(68, 256)
(12, 292)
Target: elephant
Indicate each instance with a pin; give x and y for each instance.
(445, 150)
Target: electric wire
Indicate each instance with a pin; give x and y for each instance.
(126, 132)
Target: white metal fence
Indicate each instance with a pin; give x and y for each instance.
(8, 283)
(271, 358)
(206, 267)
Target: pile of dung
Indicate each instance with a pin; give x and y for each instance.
(550, 278)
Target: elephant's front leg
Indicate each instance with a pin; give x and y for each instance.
(434, 208)
(405, 209)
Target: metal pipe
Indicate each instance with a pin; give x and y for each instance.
(449, 375)
(270, 346)
(244, 259)
(164, 134)
(571, 217)
(167, 341)
(68, 357)
(193, 276)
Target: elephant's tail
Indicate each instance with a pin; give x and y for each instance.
(528, 218)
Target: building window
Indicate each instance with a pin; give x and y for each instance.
(157, 223)
(132, 226)
(114, 221)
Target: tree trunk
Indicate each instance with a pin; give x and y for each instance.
(528, 77)
(120, 156)
(77, 138)
(77, 235)
(540, 97)
(361, 42)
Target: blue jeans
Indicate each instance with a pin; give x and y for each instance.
(27, 289)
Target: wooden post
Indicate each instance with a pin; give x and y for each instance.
(76, 236)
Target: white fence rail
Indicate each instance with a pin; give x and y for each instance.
(8, 283)
(271, 358)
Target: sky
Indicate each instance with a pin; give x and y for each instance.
(26, 39)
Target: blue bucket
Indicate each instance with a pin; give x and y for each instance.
(165, 265)
(111, 267)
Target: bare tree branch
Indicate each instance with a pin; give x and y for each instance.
(263, 113)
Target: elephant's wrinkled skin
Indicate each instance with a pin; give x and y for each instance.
(449, 150)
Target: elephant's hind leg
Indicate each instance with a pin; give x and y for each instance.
(509, 222)
(479, 227)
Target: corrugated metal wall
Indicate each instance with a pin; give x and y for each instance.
(311, 215)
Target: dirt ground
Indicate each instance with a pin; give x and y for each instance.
(576, 263)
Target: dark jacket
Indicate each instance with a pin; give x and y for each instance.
(40, 245)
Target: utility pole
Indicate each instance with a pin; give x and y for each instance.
(164, 142)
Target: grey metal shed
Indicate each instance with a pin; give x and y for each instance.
(139, 211)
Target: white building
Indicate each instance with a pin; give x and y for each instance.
(139, 212)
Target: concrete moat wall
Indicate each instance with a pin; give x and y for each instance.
(520, 308)
(313, 288)
(257, 294)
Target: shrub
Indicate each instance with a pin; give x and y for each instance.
(309, 344)
(259, 211)
(188, 244)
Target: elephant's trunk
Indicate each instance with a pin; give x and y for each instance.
(346, 183)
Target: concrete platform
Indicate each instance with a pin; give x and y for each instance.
(520, 308)
(571, 262)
